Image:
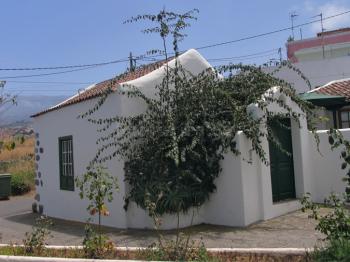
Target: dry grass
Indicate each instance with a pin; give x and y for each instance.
(146, 255)
(19, 162)
(19, 152)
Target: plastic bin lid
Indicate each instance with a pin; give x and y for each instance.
(5, 175)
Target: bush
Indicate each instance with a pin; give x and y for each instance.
(34, 242)
(336, 223)
(95, 244)
(22, 182)
(336, 250)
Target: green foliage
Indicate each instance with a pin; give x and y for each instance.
(172, 151)
(336, 223)
(96, 245)
(10, 145)
(34, 242)
(336, 250)
(98, 186)
(22, 182)
(180, 249)
(171, 252)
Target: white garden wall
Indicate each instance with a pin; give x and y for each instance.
(325, 165)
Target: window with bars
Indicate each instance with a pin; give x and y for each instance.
(66, 163)
(345, 119)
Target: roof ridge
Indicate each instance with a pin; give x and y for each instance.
(330, 83)
(96, 89)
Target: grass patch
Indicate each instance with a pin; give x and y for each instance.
(19, 162)
(153, 254)
(335, 250)
(22, 179)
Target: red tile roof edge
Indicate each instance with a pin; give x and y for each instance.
(336, 88)
(99, 88)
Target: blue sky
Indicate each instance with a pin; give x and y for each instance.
(38, 33)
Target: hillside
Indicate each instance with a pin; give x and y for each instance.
(19, 115)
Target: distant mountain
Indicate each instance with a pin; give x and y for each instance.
(26, 106)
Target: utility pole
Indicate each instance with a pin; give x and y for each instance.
(322, 30)
(280, 54)
(293, 15)
(132, 62)
(301, 33)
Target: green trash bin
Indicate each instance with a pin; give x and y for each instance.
(5, 185)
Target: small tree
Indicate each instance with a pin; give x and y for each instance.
(98, 186)
(6, 98)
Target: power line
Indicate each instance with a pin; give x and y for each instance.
(271, 32)
(64, 67)
(51, 82)
(88, 66)
(243, 57)
(47, 74)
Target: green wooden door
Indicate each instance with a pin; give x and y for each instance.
(281, 164)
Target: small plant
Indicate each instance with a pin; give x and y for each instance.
(336, 223)
(34, 242)
(98, 186)
(180, 249)
(96, 245)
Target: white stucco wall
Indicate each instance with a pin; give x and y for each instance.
(318, 72)
(67, 204)
(326, 167)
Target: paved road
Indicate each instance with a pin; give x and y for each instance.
(291, 230)
(16, 206)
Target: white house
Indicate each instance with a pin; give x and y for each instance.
(322, 59)
(247, 189)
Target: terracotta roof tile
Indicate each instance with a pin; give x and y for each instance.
(99, 88)
(336, 88)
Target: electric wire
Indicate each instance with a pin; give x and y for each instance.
(150, 57)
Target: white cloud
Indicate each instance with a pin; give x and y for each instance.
(329, 8)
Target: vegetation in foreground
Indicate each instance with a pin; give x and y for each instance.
(149, 254)
(335, 225)
(17, 159)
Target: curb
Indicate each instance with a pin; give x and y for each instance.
(257, 251)
(55, 259)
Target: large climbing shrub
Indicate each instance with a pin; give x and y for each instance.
(172, 150)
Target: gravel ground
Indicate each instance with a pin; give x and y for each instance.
(291, 230)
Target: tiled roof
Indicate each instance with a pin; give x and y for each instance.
(99, 88)
(335, 88)
(337, 31)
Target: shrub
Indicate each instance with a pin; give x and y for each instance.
(34, 241)
(171, 252)
(96, 245)
(22, 182)
(336, 250)
(336, 223)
